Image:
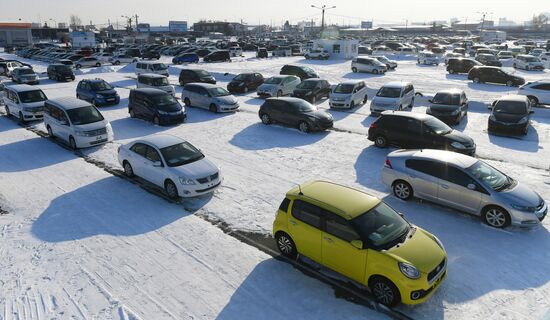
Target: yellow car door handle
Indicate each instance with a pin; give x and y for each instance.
(293, 222)
(329, 240)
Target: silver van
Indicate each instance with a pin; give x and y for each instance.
(24, 102)
(208, 96)
(155, 81)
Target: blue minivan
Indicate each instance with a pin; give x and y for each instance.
(97, 91)
(155, 105)
(186, 58)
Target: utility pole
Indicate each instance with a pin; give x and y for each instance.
(136, 20)
(483, 15)
(323, 9)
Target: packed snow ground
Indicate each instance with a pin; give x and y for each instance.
(102, 247)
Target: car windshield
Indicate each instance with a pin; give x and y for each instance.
(382, 226)
(344, 88)
(202, 73)
(308, 70)
(63, 68)
(242, 77)
(180, 154)
(274, 80)
(307, 85)
(438, 126)
(164, 99)
(387, 92)
(445, 98)
(490, 58)
(489, 176)
(157, 82)
(26, 71)
(511, 107)
(218, 92)
(159, 66)
(84, 115)
(101, 86)
(532, 59)
(32, 96)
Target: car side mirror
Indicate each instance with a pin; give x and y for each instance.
(157, 164)
(357, 244)
(471, 186)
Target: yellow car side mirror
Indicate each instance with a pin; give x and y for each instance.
(357, 244)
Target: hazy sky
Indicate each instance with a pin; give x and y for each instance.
(158, 12)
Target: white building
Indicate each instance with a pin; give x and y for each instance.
(338, 49)
(81, 39)
(493, 35)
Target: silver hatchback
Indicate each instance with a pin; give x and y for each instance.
(464, 183)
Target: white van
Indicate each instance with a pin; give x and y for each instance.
(528, 62)
(155, 81)
(428, 58)
(76, 122)
(348, 94)
(367, 64)
(151, 67)
(395, 95)
(235, 51)
(24, 102)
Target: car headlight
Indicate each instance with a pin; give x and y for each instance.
(457, 145)
(187, 181)
(81, 133)
(164, 113)
(409, 270)
(522, 208)
(523, 120)
(454, 113)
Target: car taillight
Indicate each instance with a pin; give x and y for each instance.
(387, 163)
(373, 125)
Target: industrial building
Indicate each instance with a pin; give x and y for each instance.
(15, 34)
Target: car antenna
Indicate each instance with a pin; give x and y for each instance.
(300, 190)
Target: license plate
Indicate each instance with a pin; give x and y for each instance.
(97, 138)
(111, 99)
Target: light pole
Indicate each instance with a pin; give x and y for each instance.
(54, 21)
(323, 9)
(483, 14)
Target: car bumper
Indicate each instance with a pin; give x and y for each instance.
(107, 101)
(467, 151)
(265, 94)
(416, 291)
(236, 89)
(29, 116)
(83, 142)
(186, 191)
(528, 219)
(445, 117)
(338, 104)
(320, 126)
(228, 108)
(171, 119)
(512, 127)
(29, 81)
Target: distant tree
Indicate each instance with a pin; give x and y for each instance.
(540, 20)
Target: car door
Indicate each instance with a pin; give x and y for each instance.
(64, 129)
(153, 168)
(138, 104)
(136, 157)
(453, 190)
(337, 251)
(304, 226)
(542, 92)
(89, 95)
(498, 76)
(149, 110)
(12, 102)
(203, 98)
(424, 176)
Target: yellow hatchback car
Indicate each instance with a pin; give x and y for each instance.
(361, 237)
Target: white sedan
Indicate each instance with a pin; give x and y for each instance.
(170, 163)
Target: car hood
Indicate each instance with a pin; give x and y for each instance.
(507, 117)
(207, 78)
(384, 101)
(110, 92)
(227, 99)
(301, 92)
(339, 96)
(269, 87)
(235, 83)
(422, 251)
(444, 107)
(522, 195)
(459, 137)
(320, 115)
(33, 104)
(92, 126)
(198, 169)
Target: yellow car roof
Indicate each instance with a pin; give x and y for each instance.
(349, 202)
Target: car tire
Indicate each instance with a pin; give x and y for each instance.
(98, 64)
(72, 143)
(380, 141)
(187, 102)
(128, 170)
(384, 291)
(496, 217)
(509, 83)
(8, 114)
(171, 189)
(303, 127)
(411, 105)
(354, 70)
(477, 80)
(286, 245)
(50, 132)
(534, 101)
(352, 104)
(402, 190)
(313, 99)
(21, 118)
(451, 71)
(116, 63)
(132, 113)
(515, 66)
(78, 66)
(245, 90)
(156, 121)
(213, 108)
(365, 99)
(279, 94)
(375, 71)
(266, 119)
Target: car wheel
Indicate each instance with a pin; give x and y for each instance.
(525, 130)
(365, 99)
(50, 132)
(418, 61)
(534, 101)
(128, 170)
(245, 90)
(352, 104)
(304, 127)
(78, 66)
(476, 80)
(380, 141)
(496, 217)
(286, 245)
(354, 69)
(171, 189)
(72, 143)
(117, 63)
(384, 291)
(515, 65)
(213, 108)
(412, 103)
(313, 99)
(451, 71)
(402, 190)
(132, 113)
(21, 118)
(8, 112)
(279, 94)
(187, 102)
(375, 71)
(509, 83)
(156, 120)
(98, 64)
(265, 118)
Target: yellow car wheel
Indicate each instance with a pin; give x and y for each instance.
(286, 245)
(384, 291)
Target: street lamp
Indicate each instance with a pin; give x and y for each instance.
(54, 21)
(323, 9)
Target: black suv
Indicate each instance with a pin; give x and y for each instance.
(156, 105)
(510, 113)
(312, 90)
(484, 74)
(195, 75)
(299, 71)
(295, 113)
(418, 131)
(245, 81)
(262, 53)
(150, 54)
(217, 56)
(60, 72)
(461, 65)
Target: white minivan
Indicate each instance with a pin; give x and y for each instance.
(155, 81)
(151, 67)
(235, 51)
(348, 94)
(76, 122)
(24, 102)
(396, 95)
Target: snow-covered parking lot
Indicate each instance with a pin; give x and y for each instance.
(79, 243)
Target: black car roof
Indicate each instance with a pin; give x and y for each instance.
(151, 91)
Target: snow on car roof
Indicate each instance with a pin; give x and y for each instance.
(68, 103)
(161, 140)
(23, 87)
(457, 159)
